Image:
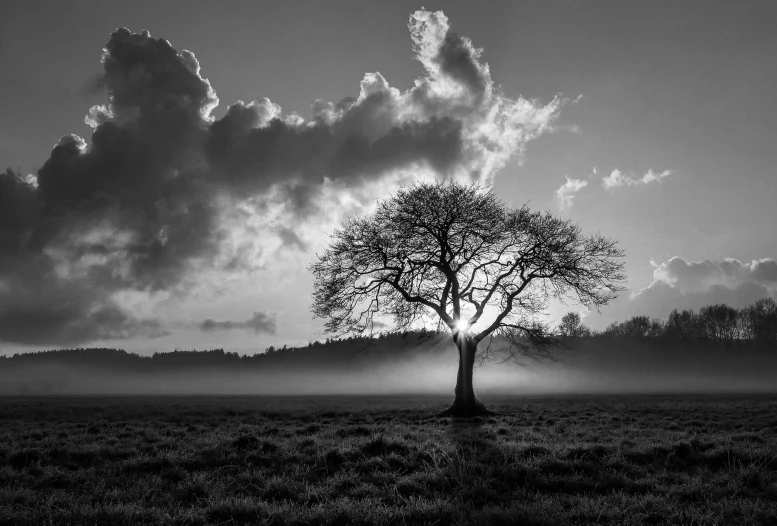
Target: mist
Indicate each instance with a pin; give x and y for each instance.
(585, 366)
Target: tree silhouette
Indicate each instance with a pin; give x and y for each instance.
(450, 252)
(720, 322)
(759, 320)
(636, 327)
(683, 325)
(571, 326)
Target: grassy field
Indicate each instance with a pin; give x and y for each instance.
(571, 460)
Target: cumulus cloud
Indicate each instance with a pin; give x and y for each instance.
(259, 322)
(162, 191)
(680, 284)
(453, 121)
(697, 276)
(618, 178)
(565, 195)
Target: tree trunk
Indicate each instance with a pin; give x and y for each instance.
(465, 403)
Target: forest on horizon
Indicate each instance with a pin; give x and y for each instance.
(717, 347)
(719, 324)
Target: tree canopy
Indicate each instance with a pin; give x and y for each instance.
(457, 254)
(449, 251)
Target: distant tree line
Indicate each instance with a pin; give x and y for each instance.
(720, 323)
(332, 350)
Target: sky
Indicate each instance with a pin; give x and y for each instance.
(169, 188)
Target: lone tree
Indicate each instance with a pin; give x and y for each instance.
(457, 254)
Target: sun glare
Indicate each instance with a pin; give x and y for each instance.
(462, 325)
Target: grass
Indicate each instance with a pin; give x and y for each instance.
(193, 461)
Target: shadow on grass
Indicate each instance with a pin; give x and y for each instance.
(480, 468)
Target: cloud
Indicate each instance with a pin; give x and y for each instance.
(453, 121)
(680, 284)
(163, 193)
(260, 322)
(697, 276)
(565, 195)
(651, 176)
(618, 178)
(290, 238)
(127, 211)
(615, 179)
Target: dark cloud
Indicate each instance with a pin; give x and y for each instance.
(764, 271)
(126, 211)
(145, 202)
(19, 209)
(38, 307)
(290, 238)
(448, 55)
(260, 322)
(140, 175)
(437, 143)
(249, 159)
(452, 122)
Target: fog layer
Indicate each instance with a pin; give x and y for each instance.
(586, 366)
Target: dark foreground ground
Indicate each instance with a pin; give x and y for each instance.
(571, 460)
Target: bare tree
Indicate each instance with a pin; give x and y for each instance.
(759, 321)
(720, 322)
(456, 254)
(684, 325)
(636, 327)
(572, 326)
